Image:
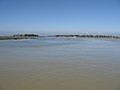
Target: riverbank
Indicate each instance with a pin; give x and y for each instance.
(88, 36)
(15, 37)
(33, 36)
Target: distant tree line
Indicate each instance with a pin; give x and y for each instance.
(89, 36)
(28, 35)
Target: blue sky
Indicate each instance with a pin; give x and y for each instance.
(59, 16)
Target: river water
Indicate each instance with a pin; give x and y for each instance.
(60, 64)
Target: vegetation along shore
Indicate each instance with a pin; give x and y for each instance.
(34, 36)
(89, 36)
(20, 36)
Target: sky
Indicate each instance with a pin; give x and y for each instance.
(59, 16)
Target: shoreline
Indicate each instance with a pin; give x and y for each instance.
(18, 37)
(87, 36)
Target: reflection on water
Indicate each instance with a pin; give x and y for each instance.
(60, 64)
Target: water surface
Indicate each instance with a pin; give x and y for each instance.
(60, 64)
